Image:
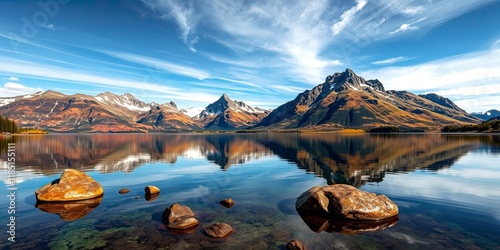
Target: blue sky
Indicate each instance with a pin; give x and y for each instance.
(260, 52)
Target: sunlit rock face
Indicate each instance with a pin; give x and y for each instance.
(73, 185)
(345, 201)
(179, 217)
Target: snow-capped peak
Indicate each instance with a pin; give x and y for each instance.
(126, 100)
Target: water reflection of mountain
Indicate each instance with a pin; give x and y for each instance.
(358, 159)
(338, 158)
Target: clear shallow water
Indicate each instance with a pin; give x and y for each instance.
(446, 187)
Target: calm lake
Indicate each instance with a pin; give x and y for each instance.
(447, 188)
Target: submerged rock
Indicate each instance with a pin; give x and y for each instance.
(228, 202)
(124, 191)
(179, 217)
(151, 190)
(70, 210)
(295, 245)
(345, 201)
(73, 185)
(219, 230)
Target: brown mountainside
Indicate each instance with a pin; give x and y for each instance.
(347, 100)
(344, 100)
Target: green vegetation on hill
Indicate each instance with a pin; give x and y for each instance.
(489, 126)
(8, 126)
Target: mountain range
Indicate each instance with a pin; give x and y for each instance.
(344, 100)
(492, 113)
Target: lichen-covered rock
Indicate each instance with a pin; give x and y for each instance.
(179, 217)
(73, 185)
(345, 201)
(219, 230)
(228, 202)
(295, 245)
(151, 190)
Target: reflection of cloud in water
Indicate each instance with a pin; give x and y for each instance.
(127, 164)
(21, 175)
(461, 192)
(193, 153)
(411, 240)
(200, 191)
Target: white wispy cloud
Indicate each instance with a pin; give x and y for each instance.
(462, 78)
(407, 26)
(160, 64)
(268, 30)
(496, 44)
(347, 16)
(183, 13)
(52, 73)
(13, 78)
(291, 89)
(310, 38)
(14, 89)
(50, 26)
(391, 60)
(413, 10)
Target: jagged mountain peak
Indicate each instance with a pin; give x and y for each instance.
(349, 80)
(348, 100)
(126, 100)
(229, 114)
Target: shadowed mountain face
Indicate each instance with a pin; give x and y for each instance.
(348, 100)
(338, 158)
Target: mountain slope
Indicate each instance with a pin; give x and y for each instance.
(167, 117)
(228, 114)
(347, 100)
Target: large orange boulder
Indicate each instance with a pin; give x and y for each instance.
(345, 201)
(73, 185)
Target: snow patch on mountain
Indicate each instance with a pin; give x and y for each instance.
(192, 112)
(126, 100)
(6, 101)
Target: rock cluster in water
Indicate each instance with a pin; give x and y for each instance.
(345, 201)
(73, 185)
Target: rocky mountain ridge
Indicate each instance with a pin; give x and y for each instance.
(347, 100)
(343, 100)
